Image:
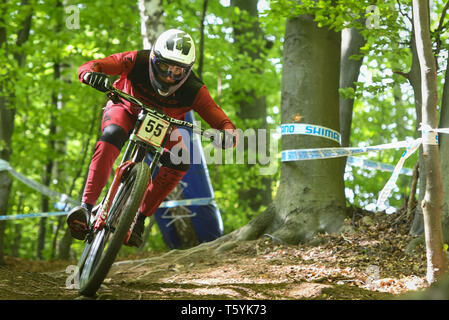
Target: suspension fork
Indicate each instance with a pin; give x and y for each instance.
(119, 172)
(153, 165)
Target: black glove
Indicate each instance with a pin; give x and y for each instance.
(97, 80)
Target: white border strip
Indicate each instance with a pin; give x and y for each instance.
(311, 130)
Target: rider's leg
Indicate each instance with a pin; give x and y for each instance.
(115, 127)
(166, 180)
(168, 177)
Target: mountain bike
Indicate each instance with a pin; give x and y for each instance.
(113, 220)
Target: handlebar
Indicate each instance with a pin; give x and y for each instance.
(115, 95)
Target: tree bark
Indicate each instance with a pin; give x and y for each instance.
(431, 205)
(414, 78)
(152, 25)
(63, 251)
(252, 107)
(7, 113)
(151, 21)
(201, 49)
(444, 151)
(351, 42)
(310, 198)
(47, 178)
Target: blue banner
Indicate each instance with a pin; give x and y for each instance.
(196, 184)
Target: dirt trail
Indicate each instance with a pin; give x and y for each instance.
(366, 262)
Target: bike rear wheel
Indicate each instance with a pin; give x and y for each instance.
(99, 253)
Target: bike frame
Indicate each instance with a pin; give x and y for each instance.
(135, 151)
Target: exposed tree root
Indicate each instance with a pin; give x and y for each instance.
(283, 232)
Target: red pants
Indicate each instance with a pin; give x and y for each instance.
(116, 126)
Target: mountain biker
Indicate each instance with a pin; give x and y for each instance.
(161, 78)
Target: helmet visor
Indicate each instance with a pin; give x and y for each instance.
(167, 69)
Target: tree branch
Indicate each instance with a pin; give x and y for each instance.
(405, 75)
(440, 28)
(404, 14)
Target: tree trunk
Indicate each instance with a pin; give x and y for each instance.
(431, 205)
(52, 143)
(201, 49)
(63, 250)
(310, 198)
(151, 21)
(351, 42)
(45, 202)
(152, 25)
(252, 107)
(6, 130)
(414, 78)
(15, 247)
(7, 113)
(444, 151)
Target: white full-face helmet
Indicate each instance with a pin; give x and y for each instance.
(173, 54)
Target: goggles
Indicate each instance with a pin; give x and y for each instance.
(166, 69)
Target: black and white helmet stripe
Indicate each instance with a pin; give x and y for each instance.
(180, 41)
(173, 47)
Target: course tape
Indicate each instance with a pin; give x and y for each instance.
(33, 215)
(426, 127)
(36, 185)
(186, 202)
(369, 164)
(429, 136)
(311, 130)
(165, 204)
(325, 153)
(64, 199)
(391, 183)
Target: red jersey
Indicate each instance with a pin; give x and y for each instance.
(133, 68)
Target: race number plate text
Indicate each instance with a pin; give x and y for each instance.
(153, 130)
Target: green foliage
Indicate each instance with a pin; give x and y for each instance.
(383, 110)
(102, 30)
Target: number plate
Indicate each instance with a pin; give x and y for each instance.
(153, 130)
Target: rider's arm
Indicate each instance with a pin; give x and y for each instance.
(116, 64)
(210, 111)
(206, 107)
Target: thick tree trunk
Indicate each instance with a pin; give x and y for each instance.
(431, 205)
(310, 197)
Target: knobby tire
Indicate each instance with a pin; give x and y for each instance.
(95, 258)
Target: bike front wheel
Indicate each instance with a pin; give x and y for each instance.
(99, 254)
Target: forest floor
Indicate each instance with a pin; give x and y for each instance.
(367, 262)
